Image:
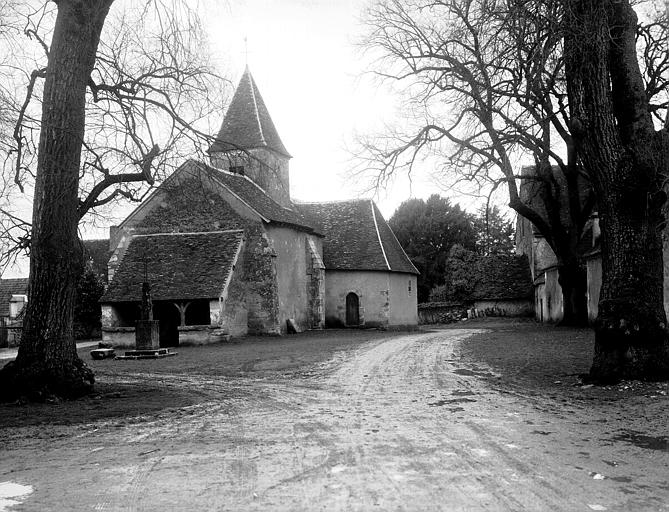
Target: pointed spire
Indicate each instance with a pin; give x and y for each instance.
(247, 123)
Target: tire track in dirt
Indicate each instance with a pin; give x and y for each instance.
(388, 387)
(403, 423)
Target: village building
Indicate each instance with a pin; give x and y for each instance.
(13, 298)
(228, 252)
(543, 262)
(14, 295)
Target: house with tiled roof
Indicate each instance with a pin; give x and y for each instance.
(543, 262)
(14, 293)
(13, 298)
(227, 252)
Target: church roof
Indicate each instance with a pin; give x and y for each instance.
(254, 196)
(357, 237)
(247, 123)
(192, 207)
(180, 266)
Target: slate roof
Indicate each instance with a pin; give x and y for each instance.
(180, 266)
(247, 123)
(257, 198)
(503, 277)
(357, 237)
(190, 207)
(9, 287)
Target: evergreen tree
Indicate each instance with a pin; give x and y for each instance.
(494, 233)
(427, 231)
(87, 311)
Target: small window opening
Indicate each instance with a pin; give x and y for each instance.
(409, 286)
(237, 169)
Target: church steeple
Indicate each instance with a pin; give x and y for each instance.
(247, 123)
(248, 142)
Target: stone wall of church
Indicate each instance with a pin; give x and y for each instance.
(230, 312)
(260, 276)
(315, 282)
(293, 271)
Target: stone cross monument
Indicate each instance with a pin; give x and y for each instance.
(147, 330)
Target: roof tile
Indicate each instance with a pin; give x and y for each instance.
(180, 266)
(247, 123)
(257, 198)
(352, 241)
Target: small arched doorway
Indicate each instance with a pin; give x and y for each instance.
(352, 309)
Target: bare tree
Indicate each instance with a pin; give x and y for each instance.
(626, 152)
(14, 227)
(115, 112)
(486, 88)
(488, 82)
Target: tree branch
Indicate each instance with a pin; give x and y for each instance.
(145, 174)
(18, 127)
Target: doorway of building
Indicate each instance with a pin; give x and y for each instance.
(170, 319)
(197, 313)
(352, 309)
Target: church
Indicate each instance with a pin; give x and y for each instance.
(228, 252)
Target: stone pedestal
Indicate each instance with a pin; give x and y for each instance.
(147, 334)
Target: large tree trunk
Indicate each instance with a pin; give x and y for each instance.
(618, 146)
(47, 362)
(631, 336)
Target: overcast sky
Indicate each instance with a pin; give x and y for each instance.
(303, 57)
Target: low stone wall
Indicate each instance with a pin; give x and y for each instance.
(119, 336)
(441, 312)
(508, 307)
(202, 335)
(188, 335)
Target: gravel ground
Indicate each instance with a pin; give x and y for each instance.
(483, 415)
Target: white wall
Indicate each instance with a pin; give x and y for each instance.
(385, 299)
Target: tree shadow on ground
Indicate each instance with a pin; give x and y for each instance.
(109, 400)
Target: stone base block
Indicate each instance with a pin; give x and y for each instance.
(119, 336)
(147, 334)
(103, 353)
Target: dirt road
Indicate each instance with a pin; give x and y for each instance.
(398, 423)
